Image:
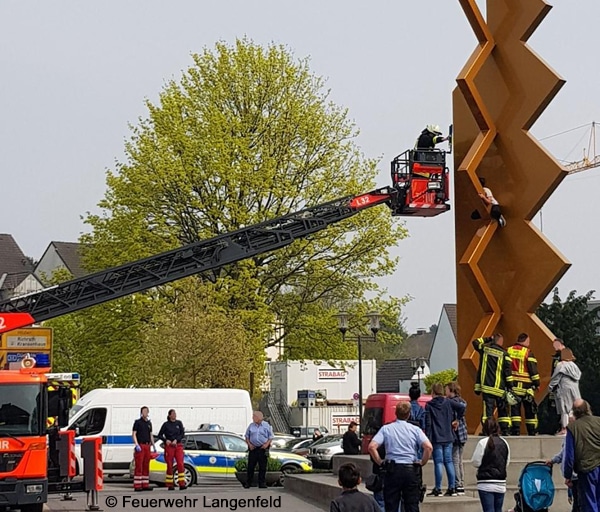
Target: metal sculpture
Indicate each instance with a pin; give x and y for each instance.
(503, 274)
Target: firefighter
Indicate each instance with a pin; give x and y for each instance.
(494, 379)
(526, 380)
(429, 137)
(172, 433)
(143, 439)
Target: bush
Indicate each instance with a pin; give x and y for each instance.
(272, 464)
(445, 377)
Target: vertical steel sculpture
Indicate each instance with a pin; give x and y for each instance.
(503, 274)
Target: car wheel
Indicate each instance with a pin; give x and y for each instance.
(190, 476)
(289, 469)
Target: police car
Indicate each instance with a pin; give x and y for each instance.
(212, 455)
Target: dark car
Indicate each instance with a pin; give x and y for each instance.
(293, 444)
(300, 431)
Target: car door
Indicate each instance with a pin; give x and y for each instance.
(235, 448)
(208, 458)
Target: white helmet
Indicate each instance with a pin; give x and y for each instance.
(434, 128)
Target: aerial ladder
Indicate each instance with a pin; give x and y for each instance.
(420, 188)
(40, 459)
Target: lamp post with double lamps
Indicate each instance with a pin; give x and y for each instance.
(418, 367)
(373, 317)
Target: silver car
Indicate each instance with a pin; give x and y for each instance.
(322, 451)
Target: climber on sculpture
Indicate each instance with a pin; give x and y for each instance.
(488, 198)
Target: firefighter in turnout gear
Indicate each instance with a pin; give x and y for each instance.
(494, 379)
(526, 380)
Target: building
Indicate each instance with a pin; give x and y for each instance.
(16, 270)
(444, 352)
(336, 392)
(60, 255)
(337, 381)
(396, 375)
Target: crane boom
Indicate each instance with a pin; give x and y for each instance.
(199, 257)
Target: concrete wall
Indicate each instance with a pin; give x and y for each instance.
(444, 354)
(340, 381)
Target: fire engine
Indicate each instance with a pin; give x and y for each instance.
(35, 459)
(30, 466)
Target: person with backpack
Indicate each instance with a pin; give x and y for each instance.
(417, 413)
(439, 415)
(460, 437)
(491, 458)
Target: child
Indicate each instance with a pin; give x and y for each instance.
(460, 438)
(351, 498)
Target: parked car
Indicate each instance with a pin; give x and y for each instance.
(305, 450)
(300, 431)
(279, 440)
(212, 456)
(294, 443)
(322, 451)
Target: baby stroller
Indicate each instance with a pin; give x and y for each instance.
(536, 488)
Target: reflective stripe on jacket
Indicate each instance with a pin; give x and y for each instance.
(524, 368)
(494, 375)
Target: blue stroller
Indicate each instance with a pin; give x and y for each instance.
(536, 488)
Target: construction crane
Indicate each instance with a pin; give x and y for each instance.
(590, 159)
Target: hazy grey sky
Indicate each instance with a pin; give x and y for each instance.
(74, 74)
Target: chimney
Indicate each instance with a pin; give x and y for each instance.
(421, 331)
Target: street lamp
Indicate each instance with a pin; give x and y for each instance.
(418, 367)
(373, 317)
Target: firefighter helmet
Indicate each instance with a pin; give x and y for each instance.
(511, 398)
(434, 128)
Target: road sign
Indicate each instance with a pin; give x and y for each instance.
(15, 344)
(355, 396)
(10, 321)
(355, 403)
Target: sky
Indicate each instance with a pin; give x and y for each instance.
(75, 76)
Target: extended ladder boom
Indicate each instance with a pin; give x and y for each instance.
(199, 257)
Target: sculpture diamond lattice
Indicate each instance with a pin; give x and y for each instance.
(503, 274)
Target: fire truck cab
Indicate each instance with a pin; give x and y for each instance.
(422, 181)
(29, 450)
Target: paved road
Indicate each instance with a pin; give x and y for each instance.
(118, 496)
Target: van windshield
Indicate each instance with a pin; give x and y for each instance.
(372, 420)
(74, 410)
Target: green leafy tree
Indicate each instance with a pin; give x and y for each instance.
(97, 342)
(577, 324)
(246, 135)
(444, 377)
(196, 343)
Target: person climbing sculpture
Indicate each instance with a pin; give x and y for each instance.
(488, 198)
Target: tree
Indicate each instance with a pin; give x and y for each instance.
(195, 343)
(577, 324)
(444, 377)
(248, 134)
(97, 342)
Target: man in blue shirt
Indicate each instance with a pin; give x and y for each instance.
(402, 443)
(258, 438)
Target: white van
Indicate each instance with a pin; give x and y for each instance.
(110, 413)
